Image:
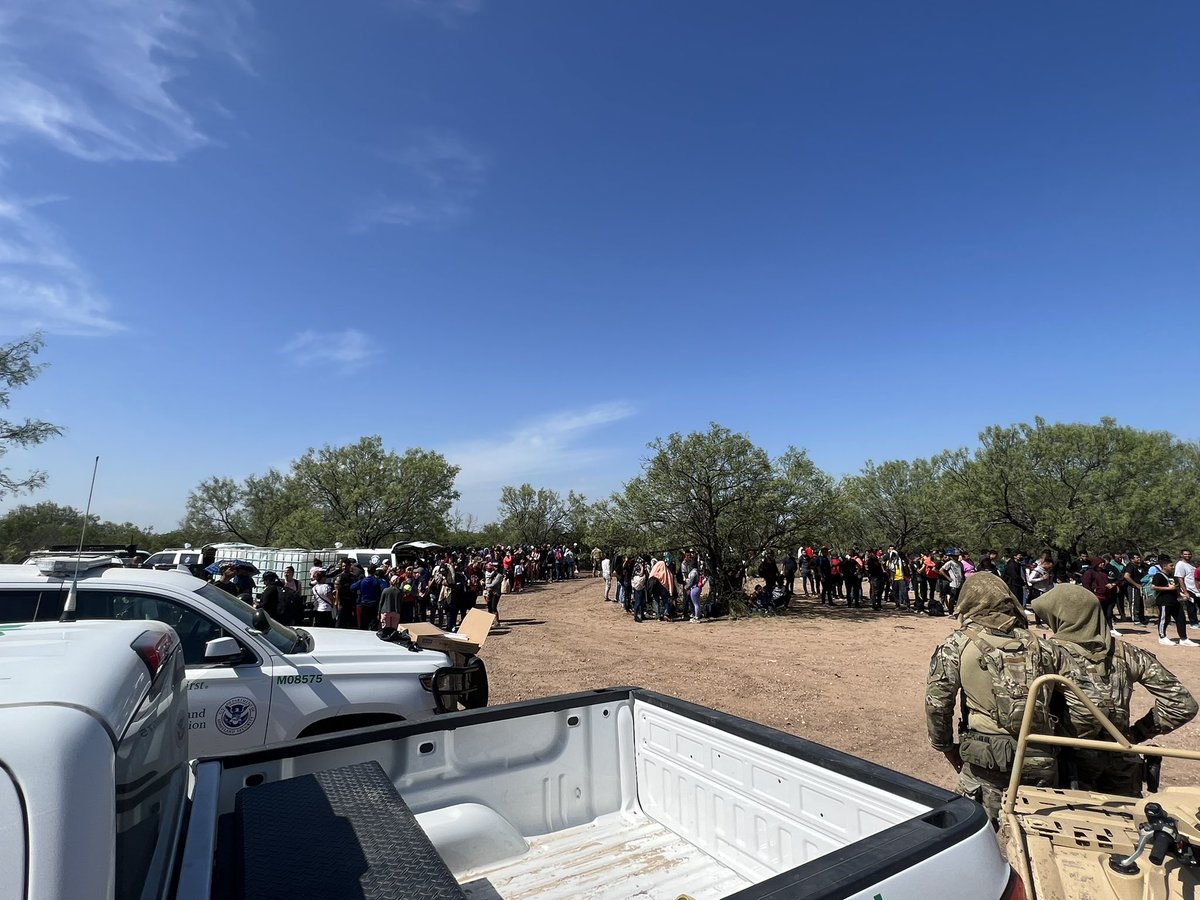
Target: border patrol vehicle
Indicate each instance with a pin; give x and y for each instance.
(250, 680)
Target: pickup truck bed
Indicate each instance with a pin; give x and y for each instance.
(613, 793)
(625, 854)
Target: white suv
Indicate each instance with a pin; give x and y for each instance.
(250, 680)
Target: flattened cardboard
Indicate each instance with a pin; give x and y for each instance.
(476, 625)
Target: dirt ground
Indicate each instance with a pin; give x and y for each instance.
(851, 679)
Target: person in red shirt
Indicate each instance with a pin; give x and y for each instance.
(507, 565)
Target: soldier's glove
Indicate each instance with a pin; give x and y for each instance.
(1144, 729)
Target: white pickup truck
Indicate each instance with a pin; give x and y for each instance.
(613, 793)
(93, 760)
(251, 681)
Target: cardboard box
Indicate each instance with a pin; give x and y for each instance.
(470, 636)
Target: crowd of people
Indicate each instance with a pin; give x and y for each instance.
(646, 587)
(345, 594)
(1128, 587)
(979, 677)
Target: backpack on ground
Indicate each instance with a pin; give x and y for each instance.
(936, 608)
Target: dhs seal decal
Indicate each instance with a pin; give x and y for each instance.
(236, 715)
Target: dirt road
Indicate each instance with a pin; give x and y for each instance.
(852, 679)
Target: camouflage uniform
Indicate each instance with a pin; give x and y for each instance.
(986, 748)
(1110, 685)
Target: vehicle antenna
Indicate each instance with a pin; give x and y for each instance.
(68, 613)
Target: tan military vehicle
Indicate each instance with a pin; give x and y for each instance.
(1078, 845)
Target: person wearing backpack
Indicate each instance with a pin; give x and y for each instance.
(1106, 670)
(270, 600)
(637, 586)
(991, 659)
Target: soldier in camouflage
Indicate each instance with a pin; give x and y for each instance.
(1106, 670)
(984, 669)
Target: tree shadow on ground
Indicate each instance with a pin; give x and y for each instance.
(812, 608)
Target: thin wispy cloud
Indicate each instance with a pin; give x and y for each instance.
(94, 79)
(344, 351)
(91, 80)
(555, 445)
(447, 12)
(438, 179)
(42, 287)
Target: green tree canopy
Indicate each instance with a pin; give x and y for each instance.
(899, 502)
(1074, 487)
(253, 511)
(540, 516)
(17, 369)
(36, 526)
(718, 492)
(368, 496)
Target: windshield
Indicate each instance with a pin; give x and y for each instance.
(281, 637)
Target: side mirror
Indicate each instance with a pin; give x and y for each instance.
(222, 650)
(260, 621)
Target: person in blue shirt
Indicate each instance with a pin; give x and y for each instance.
(370, 589)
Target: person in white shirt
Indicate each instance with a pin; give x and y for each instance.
(606, 572)
(317, 566)
(1185, 577)
(952, 571)
(322, 593)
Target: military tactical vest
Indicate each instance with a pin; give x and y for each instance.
(1108, 691)
(999, 687)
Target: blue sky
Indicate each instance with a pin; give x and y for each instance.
(536, 235)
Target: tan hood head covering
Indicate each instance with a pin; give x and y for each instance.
(987, 601)
(1074, 614)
